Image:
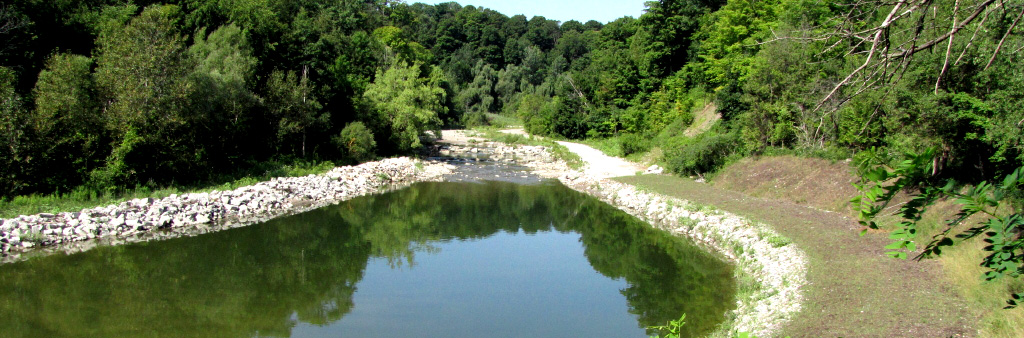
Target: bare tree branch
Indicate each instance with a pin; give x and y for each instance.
(1001, 41)
(871, 53)
(981, 8)
(9, 20)
(881, 53)
(949, 49)
(579, 92)
(973, 36)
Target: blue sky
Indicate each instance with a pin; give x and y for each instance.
(561, 10)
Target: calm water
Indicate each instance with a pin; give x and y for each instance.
(434, 260)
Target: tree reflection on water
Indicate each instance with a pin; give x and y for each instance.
(260, 280)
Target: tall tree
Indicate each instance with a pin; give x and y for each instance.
(143, 74)
(12, 132)
(223, 77)
(407, 104)
(669, 26)
(67, 122)
(290, 99)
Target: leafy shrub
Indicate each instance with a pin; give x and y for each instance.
(729, 101)
(357, 141)
(474, 119)
(704, 154)
(536, 113)
(633, 143)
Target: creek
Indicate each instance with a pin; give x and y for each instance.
(455, 259)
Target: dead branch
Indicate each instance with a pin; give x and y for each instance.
(579, 92)
(949, 49)
(880, 52)
(1001, 41)
(981, 8)
(878, 33)
(975, 35)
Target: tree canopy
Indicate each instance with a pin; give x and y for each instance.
(152, 92)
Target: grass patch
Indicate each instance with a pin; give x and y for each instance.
(610, 146)
(33, 236)
(961, 267)
(502, 121)
(775, 240)
(816, 179)
(561, 152)
(85, 197)
(833, 154)
(688, 223)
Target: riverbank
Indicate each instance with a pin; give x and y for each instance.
(770, 271)
(192, 214)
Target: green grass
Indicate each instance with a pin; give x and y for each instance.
(502, 121)
(833, 154)
(84, 197)
(612, 146)
(609, 146)
(796, 178)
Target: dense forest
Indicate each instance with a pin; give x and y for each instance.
(114, 93)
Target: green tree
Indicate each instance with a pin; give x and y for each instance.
(290, 100)
(224, 70)
(143, 68)
(399, 48)
(12, 132)
(142, 74)
(478, 97)
(509, 83)
(67, 122)
(731, 38)
(542, 32)
(572, 25)
(668, 27)
(357, 141)
(407, 104)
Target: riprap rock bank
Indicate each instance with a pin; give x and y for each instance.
(196, 213)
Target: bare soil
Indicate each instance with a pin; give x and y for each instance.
(812, 182)
(703, 120)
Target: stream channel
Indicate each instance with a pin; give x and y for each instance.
(493, 252)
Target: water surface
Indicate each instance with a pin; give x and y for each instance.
(433, 260)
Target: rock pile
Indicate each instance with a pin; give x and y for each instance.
(189, 214)
(494, 151)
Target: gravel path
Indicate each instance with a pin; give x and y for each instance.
(600, 165)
